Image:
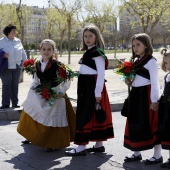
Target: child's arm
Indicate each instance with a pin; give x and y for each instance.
(100, 65)
(152, 66)
(128, 81)
(154, 106)
(62, 88)
(35, 82)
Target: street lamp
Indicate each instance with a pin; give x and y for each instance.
(49, 2)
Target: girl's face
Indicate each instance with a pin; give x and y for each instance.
(138, 47)
(12, 34)
(89, 38)
(46, 51)
(167, 62)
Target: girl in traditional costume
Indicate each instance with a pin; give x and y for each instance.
(47, 121)
(142, 117)
(164, 108)
(91, 124)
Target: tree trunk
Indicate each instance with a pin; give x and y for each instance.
(61, 48)
(22, 34)
(115, 43)
(69, 38)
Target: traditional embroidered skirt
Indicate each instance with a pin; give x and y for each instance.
(141, 125)
(87, 128)
(164, 123)
(48, 136)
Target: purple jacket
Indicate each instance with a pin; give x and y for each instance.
(3, 62)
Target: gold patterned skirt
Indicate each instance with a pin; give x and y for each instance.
(48, 136)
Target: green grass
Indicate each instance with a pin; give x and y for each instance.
(106, 51)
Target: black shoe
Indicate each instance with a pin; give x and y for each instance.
(93, 149)
(25, 142)
(49, 149)
(159, 160)
(15, 106)
(4, 107)
(165, 164)
(81, 153)
(134, 158)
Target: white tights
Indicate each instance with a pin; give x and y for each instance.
(157, 153)
(83, 147)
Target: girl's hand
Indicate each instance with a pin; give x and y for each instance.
(98, 99)
(32, 88)
(76, 73)
(154, 106)
(128, 81)
(56, 56)
(60, 95)
(6, 55)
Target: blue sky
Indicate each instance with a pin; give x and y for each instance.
(39, 3)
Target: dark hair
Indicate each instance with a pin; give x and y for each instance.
(146, 41)
(99, 39)
(165, 53)
(8, 29)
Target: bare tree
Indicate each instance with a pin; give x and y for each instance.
(58, 26)
(20, 18)
(22, 12)
(68, 9)
(148, 12)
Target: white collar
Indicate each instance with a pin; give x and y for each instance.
(43, 62)
(91, 47)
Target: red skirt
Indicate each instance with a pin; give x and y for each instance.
(142, 138)
(94, 131)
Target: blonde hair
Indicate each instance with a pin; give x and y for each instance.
(99, 39)
(51, 42)
(165, 53)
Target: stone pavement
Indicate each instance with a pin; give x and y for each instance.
(14, 155)
(117, 90)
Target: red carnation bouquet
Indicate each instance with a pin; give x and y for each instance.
(46, 93)
(49, 93)
(29, 66)
(127, 70)
(65, 73)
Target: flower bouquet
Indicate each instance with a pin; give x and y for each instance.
(65, 73)
(29, 66)
(127, 70)
(49, 93)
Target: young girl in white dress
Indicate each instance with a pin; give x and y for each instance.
(44, 124)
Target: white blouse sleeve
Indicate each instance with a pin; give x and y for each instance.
(100, 65)
(36, 81)
(152, 66)
(63, 87)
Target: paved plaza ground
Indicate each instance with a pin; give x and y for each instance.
(15, 156)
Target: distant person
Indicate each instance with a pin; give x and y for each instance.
(91, 92)
(164, 108)
(10, 77)
(142, 117)
(45, 121)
